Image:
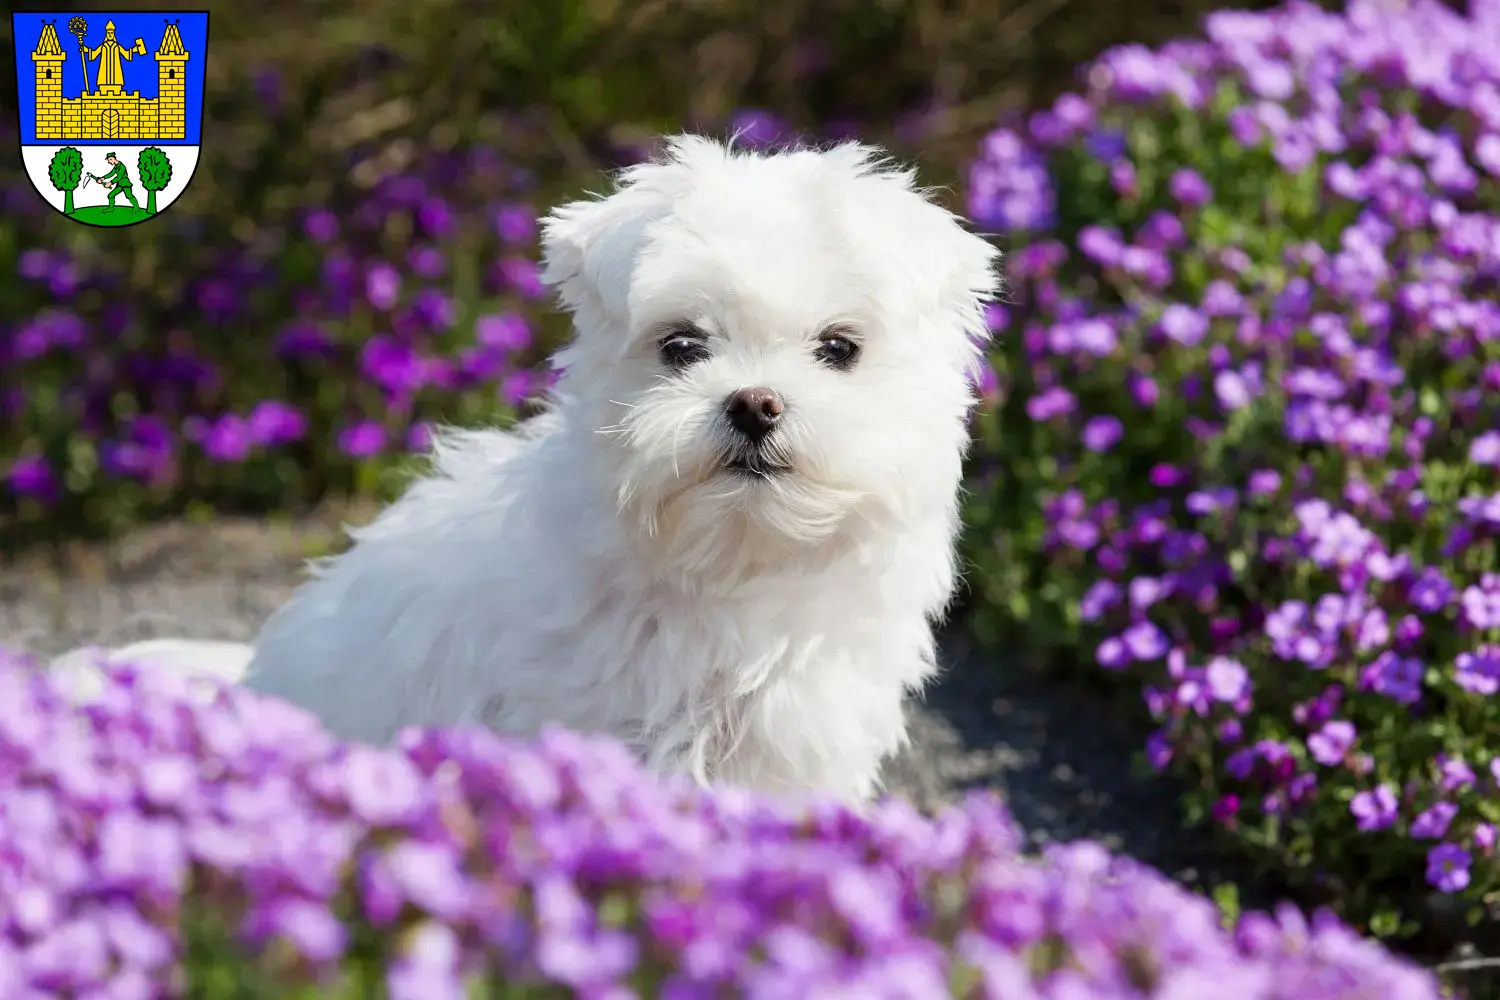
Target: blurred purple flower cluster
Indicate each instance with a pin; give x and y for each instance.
(162, 833)
(1249, 452)
(329, 333)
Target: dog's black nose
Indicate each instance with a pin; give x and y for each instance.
(753, 412)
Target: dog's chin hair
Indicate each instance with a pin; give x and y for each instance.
(729, 529)
(706, 523)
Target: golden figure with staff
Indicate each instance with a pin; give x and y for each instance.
(110, 80)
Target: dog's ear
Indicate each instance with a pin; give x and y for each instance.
(958, 267)
(971, 280)
(953, 272)
(589, 247)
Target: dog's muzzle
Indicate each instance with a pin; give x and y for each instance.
(752, 415)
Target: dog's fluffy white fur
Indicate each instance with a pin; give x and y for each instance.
(602, 569)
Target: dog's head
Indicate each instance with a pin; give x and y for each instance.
(774, 350)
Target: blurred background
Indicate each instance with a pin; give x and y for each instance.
(354, 257)
(354, 261)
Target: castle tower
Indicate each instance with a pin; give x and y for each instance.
(171, 85)
(48, 57)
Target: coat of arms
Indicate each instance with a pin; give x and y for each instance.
(110, 124)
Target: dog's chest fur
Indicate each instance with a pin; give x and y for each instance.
(466, 602)
(781, 692)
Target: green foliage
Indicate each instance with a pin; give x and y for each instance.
(66, 169)
(156, 173)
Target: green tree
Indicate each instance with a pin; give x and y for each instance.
(65, 171)
(156, 173)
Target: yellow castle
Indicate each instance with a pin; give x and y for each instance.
(110, 112)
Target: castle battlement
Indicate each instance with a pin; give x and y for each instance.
(124, 115)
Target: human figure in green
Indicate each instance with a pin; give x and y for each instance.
(118, 182)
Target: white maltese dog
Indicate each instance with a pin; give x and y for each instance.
(727, 539)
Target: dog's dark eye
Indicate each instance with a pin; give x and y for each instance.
(683, 346)
(837, 350)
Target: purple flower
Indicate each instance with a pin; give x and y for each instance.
(1456, 774)
(1448, 868)
(1432, 823)
(1145, 641)
(321, 226)
(523, 276)
(1112, 654)
(419, 438)
(432, 310)
(1158, 751)
(1225, 808)
(303, 340)
(309, 927)
(518, 388)
(1102, 433)
(427, 262)
(1431, 591)
(1398, 678)
(33, 477)
(1479, 671)
(1228, 681)
(1147, 590)
(1485, 449)
(1164, 476)
(1050, 404)
(392, 365)
(227, 439)
(1264, 482)
(1189, 188)
(434, 217)
(515, 224)
(1331, 744)
(1481, 603)
(382, 286)
(419, 852)
(1100, 597)
(1183, 324)
(362, 440)
(508, 332)
(1374, 809)
(274, 423)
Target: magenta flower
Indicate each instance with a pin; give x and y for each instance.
(504, 331)
(227, 439)
(362, 440)
(273, 423)
(33, 477)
